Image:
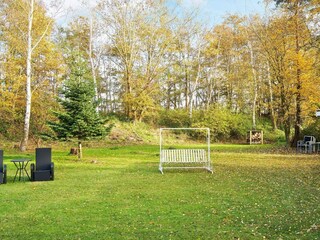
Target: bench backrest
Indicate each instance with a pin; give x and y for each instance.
(43, 159)
(183, 155)
(1, 161)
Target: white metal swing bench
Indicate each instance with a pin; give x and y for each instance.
(185, 158)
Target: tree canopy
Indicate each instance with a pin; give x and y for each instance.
(149, 63)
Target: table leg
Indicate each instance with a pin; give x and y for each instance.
(22, 172)
(19, 172)
(16, 172)
(25, 169)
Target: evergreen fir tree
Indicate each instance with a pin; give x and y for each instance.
(79, 118)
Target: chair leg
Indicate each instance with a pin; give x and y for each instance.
(32, 171)
(4, 174)
(52, 171)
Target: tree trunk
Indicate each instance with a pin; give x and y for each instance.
(255, 87)
(287, 131)
(175, 97)
(168, 100)
(93, 67)
(193, 90)
(298, 122)
(26, 128)
(273, 117)
(284, 112)
(128, 106)
(187, 86)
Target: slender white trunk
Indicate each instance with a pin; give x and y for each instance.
(25, 139)
(212, 85)
(193, 90)
(93, 67)
(255, 85)
(274, 122)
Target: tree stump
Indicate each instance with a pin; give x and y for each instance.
(73, 151)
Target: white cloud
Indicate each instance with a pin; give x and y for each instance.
(73, 8)
(72, 4)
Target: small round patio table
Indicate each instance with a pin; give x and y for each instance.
(21, 165)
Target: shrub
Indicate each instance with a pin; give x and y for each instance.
(174, 118)
(269, 134)
(313, 129)
(224, 124)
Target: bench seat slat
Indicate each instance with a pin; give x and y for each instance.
(183, 155)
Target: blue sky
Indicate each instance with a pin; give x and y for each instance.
(214, 10)
(211, 11)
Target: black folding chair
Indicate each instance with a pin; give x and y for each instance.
(44, 168)
(3, 169)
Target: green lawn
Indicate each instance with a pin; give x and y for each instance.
(118, 193)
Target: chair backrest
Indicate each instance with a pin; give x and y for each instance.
(1, 160)
(300, 143)
(309, 139)
(43, 158)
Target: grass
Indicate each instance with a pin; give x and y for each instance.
(118, 193)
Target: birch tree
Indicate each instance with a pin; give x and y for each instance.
(32, 43)
(30, 49)
(22, 52)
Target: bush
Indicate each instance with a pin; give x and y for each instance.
(224, 124)
(313, 129)
(270, 135)
(174, 118)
